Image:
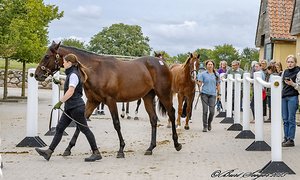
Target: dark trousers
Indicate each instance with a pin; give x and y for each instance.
(78, 115)
(208, 103)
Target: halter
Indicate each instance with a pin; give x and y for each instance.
(56, 66)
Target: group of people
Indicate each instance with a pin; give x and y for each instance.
(208, 80)
(290, 91)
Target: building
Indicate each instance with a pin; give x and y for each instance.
(273, 35)
(295, 27)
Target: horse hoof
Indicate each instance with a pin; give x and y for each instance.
(168, 126)
(128, 117)
(136, 118)
(186, 127)
(148, 152)
(178, 127)
(67, 153)
(178, 147)
(122, 116)
(120, 155)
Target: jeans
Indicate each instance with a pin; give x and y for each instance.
(289, 108)
(208, 102)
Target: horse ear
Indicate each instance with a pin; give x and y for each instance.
(57, 46)
(198, 57)
(190, 55)
(155, 54)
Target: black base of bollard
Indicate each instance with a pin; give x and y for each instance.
(276, 167)
(52, 131)
(258, 146)
(221, 114)
(72, 124)
(235, 127)
(32, 142)
(227, 120)
(245, 134)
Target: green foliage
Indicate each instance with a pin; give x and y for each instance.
(205, 54)
(120, 39)
(247, 56)
(74, 43)
(225, 52)
(180, 58)
(29, 25)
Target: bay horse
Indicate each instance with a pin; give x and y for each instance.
(110, 81)
(184, 80)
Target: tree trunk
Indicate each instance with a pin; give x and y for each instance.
(5, 79)
(23, 79)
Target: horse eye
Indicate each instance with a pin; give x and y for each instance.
(46, 57)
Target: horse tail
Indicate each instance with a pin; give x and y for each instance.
(162, 109)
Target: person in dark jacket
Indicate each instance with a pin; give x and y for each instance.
(74, 108)
(290, 102)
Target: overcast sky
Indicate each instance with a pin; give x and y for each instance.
(176, 26)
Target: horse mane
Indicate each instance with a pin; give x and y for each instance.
(83, 51)
(186, 63)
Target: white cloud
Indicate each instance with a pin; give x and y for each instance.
(88, 11)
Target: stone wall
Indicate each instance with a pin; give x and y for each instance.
(15, 79)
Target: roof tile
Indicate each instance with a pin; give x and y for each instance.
(280, 15)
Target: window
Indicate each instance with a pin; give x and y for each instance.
(268, 55)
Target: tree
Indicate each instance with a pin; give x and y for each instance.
(28, 23)
(225, 52)
(120, 39)
(247, 56)
(180, 58)
(7, 39)
(74, 43)
(205, 54)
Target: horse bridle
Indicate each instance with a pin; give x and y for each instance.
(56, 66)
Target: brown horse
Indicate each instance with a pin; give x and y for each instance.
(184, 79)
(111, 81)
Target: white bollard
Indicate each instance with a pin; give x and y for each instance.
(276, 130)
(236, 126)
(228, 119)
(259, 144)
(32, 105)
(246, 133)
(258, 108)
(223, 92)
(32, 139)
(55, 99)
(276, 165)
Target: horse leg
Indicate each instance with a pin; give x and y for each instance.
(189, 102)
(72, 143)
(150, 108)
(180, 103)
(123, 110)
(166, 104)
(127, 111)
(115, 117)
(137, 109)
(89, 107)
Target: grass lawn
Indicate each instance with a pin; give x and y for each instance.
(16, 65)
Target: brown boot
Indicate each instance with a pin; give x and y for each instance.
(95, 156)
(45, 153)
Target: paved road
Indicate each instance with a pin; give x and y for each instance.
(202, 153)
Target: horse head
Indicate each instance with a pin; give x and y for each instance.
(193, 64)
(50, 63)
